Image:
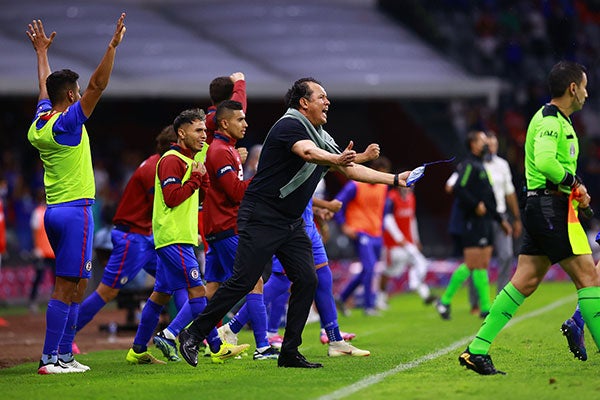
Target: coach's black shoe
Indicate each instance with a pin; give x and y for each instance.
(188, 347)
(295, 360)
(480, 363)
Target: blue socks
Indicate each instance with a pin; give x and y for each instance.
(276, 293)
(240, 319)
(326, 304)
(253, 310)
(276, 312)
(182, 319)
(214, 341)
(148, 322)
(258, 318)
(190, 310)
(66, 342)
(88, 309)
(180, 297)
(56, 320)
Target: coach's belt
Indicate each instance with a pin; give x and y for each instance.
(545, 192)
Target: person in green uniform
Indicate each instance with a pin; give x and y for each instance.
(552, 231)
(477, 201)
(58, 133)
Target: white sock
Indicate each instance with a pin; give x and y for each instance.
(168, 334)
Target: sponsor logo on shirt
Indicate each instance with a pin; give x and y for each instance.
(549, 133)
(222, 171)
(170, 180)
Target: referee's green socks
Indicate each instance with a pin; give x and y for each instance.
(589, 305)
(481, 281)
(459, 276)
(505, 306)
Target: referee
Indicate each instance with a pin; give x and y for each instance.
(553, 233)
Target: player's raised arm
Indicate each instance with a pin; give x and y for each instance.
(41, 43)
(100, 77)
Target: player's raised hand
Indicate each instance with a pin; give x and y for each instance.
(372, 152)
(348, 156)
(237, 76)
(119, 31)
(38, 37)
(243, 152)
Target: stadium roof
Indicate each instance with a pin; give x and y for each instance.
(173, 49)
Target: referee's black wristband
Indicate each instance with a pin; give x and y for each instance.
(396, 180)
(571, 180)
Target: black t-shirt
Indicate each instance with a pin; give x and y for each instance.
(473, 185)
(277, 166)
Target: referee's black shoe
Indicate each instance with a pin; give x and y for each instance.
(188, 347)
(295, 360)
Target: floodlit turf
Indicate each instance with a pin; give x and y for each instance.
(411, 359)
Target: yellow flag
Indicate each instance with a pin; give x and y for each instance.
(577, 236)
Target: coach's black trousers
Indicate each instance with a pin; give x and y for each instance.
(262, 234)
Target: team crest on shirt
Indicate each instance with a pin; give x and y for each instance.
(124, 280)
(195, 273)
(572, 150)
(88, 265)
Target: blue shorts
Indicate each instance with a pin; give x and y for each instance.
(131, 252)
(70, 230)
(177, 268)
(219, 259)
(319, 253)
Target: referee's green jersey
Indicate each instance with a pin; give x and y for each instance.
(551, 150)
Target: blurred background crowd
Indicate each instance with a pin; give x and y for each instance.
(511, 43)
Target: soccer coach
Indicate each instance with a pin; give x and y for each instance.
(296, 154)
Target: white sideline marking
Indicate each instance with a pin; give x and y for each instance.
(376, 378)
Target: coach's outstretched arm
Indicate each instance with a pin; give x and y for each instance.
(359, 172)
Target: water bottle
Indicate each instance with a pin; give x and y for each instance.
(112, 332)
